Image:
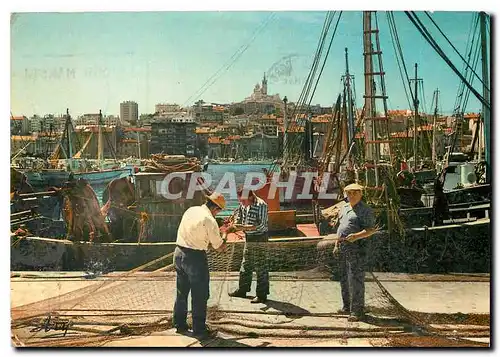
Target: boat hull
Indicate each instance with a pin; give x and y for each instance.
(423, 250)
(56, 178)
(469, 194)
(304, 191)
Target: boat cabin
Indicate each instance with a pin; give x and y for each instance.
(162, 199)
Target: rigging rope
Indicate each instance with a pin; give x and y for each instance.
(305, 97)
(422, 29)
(399, 54)
(462, 95)
(236, 55)
(470, 45)
(422, 92)
(324, 60)
(454, 48)
(477, 54)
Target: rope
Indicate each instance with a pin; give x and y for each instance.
(326, 57)
(108, 141)
(307, 86)
(421, 28)
(470, 45)
(456, 51)
(303, 98)
(91, 290)
(144, 218)
(185, 166)
(475, 61)
(225, 67)
(399, 56)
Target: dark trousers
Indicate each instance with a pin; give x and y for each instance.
(255, 259)
(191, 267)
(352, 277)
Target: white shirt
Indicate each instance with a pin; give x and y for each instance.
(198, 228)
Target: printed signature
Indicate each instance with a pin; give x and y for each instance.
(53, 323)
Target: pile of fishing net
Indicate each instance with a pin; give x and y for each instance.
(303, 303)
(171, 163)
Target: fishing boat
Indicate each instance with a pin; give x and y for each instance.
(336, 160)
(155, 214)
(57, 171)
(146, 223)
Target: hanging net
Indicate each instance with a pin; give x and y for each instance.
(303, 303)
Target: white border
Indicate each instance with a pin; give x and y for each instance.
(220, 5)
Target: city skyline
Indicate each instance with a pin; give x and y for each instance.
(91, 61)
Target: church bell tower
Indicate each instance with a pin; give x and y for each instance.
(264, 85)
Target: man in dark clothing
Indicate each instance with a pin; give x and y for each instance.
(440, 205)
(356, 222)
(252, 213)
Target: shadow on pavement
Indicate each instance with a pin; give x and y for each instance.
(288, 309)
(385, 321)
(220, 341)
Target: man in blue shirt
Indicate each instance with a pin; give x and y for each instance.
(252, 213)
(356, 222)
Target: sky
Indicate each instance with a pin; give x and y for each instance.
(95, 60)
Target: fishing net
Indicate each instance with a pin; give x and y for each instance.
(303, 303)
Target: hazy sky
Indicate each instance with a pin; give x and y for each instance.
(91, 61)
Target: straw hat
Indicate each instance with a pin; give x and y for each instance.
(353, 187)
(218, 199)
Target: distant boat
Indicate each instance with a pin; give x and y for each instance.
(97, 172)
(460, 172)
(133, 164)
(56, 178)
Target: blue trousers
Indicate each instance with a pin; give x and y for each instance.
(352, 277)
(191, 267)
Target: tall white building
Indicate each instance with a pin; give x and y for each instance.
(129, 111)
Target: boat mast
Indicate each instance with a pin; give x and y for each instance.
(415, 128)
(344, 125)
(486, 94)
(70, 149)
(99, 141)
(285, 130)
(370, 135)
(434, 156)
(351, 127)
(261, 154)
(377, 130)
(139, 144)
(479, 137)
(350, 116)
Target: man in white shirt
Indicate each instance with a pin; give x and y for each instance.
(198, 229)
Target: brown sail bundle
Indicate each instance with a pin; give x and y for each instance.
(82, 213)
